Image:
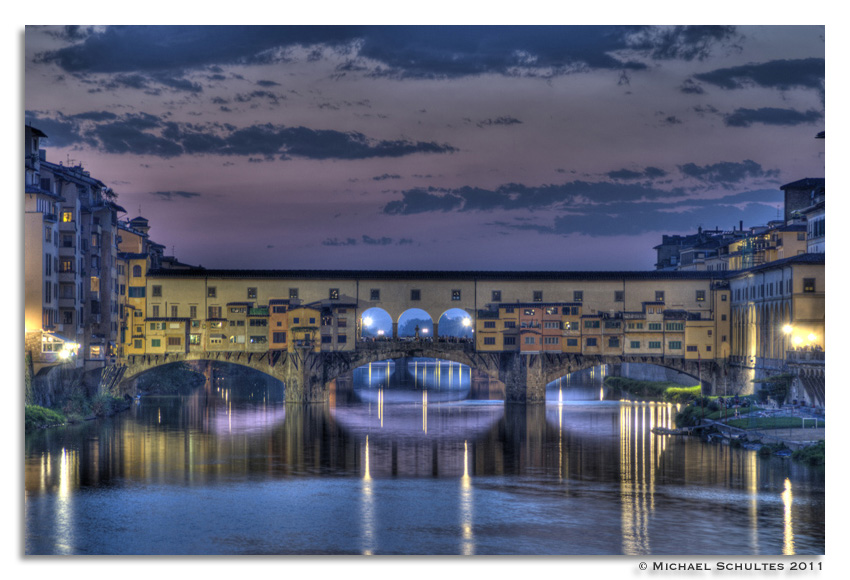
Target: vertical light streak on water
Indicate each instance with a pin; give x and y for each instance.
(388, 374)
(561, 467)
(415, 374)
(381, 406)
(642, 460)
(627, 507)
(451, 374)
(788, 532)
(64, 505)
(653, 412)
(467, 545)
(369, 380)
(367, 507)
(753, 487)
(425, 411)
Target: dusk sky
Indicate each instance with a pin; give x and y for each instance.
(456, 148)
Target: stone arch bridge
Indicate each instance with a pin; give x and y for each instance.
(307, 374)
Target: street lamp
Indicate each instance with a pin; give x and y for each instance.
(368, 321)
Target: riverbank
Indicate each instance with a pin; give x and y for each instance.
(77, 410)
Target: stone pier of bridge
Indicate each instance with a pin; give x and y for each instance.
(307, 375)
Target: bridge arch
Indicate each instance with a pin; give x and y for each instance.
(412, 318)
(456, 323)
(375, 322)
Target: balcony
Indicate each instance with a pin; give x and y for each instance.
(805, 356)
(67, 302)
(70, 226)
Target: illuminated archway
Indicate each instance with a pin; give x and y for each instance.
(455, 323)
(412, 319)
(376, 323)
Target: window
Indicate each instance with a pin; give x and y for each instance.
(240, 339)
(509, 310)
(654, 344)
(551, 340)
(659, 296)
(578, 296)
(497, 296)
(293, 293)
(155, 311)
(612, 324)
(674, 345)
(700, 295)
(510, 323)
(312, 321)
(709, 333)
(95, 284)
(676, 326)
(528, 312)
(261, 339)
(635, 325)
(634, 344)
(252, 293)
(538, 296)
(214, 312)
(67, 216)
(489, 324)
(137, 343)
(801, 236)
(613, 342)
(552, 310)
(654, 326)
(341, 339)
(692, 348)
(238, 310)
(723, 317)
(326, 339)
(279, 337)
(590, 342)
(155, 342)
(137, 271)
(333, 293)
(258, 322)
(174, 341)
(193, 311)
(708, 348)
(211, 292)
(342, 323)
(374, 294)
(157, 326)
(509, 341)
(591, 324)
(551, 324)
(808, 284)
(173, 311)
(723, 297)
(572, 342)
(296, 320)
(48, 231)
(66, 265)
(491, 340)
(194, 339)
(278, 309)
(619, 296)
(455, 294)
(415, 295)
(529, 340)
(217, 324)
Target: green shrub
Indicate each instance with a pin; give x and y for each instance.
(103, 405)
(36, 417)
(813, 454)
(682, 394)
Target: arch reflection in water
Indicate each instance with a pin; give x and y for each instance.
(403, 380)
(583, 385)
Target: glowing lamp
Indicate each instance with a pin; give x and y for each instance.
(368, 321)
(787, 329)
(812, 337)
(467, 322)
(798, 339)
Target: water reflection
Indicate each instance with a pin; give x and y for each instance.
(395, 468)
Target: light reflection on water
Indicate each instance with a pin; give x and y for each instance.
(432, 467)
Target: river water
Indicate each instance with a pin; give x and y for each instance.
(411, 457)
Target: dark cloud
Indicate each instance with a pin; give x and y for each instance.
(752, 207)
(267, 83)
(728, 173)
(515, 196)
(383, 241)
(628, 174)
(507, 120)
(386, 176)
(171, 195)
(771, 116)
(336, 242)
(681, 42)
(805, 73)
(408, 51)
(150, 135)
(689, 87)
(267, 95)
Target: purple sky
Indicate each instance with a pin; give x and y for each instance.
(432, 148)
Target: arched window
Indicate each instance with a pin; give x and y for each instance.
(137, 271)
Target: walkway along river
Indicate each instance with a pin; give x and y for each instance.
(410, 457)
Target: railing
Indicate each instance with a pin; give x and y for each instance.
(805, 356)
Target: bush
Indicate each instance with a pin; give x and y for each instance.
(813, 454)
(682, 394)
(36, 417)
(103, 405)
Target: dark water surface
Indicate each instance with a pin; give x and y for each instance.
(408, 458)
